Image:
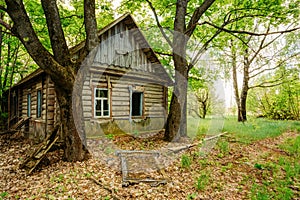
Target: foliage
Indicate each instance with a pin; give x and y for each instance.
(185, 161)
(280, 102)
(3, 194)
(202, 181)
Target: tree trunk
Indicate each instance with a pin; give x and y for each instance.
(245, 88)
(204, 107)
(58, 66)
(177, 122)
(75, 150)
(235, 83)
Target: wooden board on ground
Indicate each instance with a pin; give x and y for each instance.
(32, 161)
(141, 166)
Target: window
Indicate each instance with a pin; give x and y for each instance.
(101, 103)
(29, 105)
(137, 104)
(39, 104)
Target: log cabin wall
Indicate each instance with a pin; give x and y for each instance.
(122, 66)
(120, 120)
(43, 113)
(133, 81)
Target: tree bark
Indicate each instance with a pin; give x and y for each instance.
(74, 150)
(176, 122)
(61, 70)
(177, 119)
(245, 88)
(235, 82)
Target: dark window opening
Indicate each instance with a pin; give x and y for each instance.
(137, 104)
(39, 104)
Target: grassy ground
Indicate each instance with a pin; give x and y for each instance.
(280, 172)
(258, 159)
(252, 130)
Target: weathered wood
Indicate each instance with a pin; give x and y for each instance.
(32, 161)
(181, 148)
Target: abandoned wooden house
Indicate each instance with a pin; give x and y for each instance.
(125, 90)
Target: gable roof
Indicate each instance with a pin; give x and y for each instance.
(128, 20)
(139, 38)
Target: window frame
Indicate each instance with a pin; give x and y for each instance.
(29, 105)
(39, 101)
(102, 101)
(141, 109)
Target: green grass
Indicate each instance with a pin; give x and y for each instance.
(280, 176)
(257, 129)
(252, 130)
(202, 181)
(185, 161)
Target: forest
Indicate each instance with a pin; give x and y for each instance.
(149, 99)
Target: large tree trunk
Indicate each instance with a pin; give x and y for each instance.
(177, 119)
(74, 146)
(58, 66)
(176, 122)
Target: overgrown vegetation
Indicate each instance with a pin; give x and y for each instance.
(252, 130)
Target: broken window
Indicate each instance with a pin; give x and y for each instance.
(101, 102)
(137, 104)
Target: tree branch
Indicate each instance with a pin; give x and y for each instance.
(57, 38)
(92, 39)
(277, 66)
(23, 29)
(203, 49)
(158, 23)
(163, 53)
(247, 32)
(197, 15)
(272, 83)
(6, 25)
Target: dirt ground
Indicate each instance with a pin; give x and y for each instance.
(226, 172)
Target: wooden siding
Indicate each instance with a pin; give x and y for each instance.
(118, 47)
(153, 96)
(43, 83)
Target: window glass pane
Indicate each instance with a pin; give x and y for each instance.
(105, 104)
(101, 102)
(106, 113)
(98, 107)
(39, 103)
(98, 113)
(101, 93)
(97, 93)
(104, 93)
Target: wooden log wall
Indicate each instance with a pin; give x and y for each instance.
(118, 47)
(43, 83)
(153, 96)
